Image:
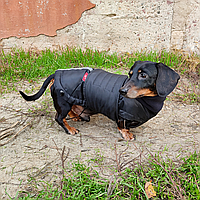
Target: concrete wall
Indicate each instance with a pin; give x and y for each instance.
(126, 26)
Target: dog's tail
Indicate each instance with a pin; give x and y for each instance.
(40, 92)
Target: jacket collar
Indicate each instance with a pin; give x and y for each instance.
(153, 104)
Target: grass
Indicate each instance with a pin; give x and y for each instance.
(33, 65)
(19, 64)
(171, 180)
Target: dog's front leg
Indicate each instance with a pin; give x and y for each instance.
(125, 132)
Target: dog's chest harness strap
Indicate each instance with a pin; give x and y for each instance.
(70, 84)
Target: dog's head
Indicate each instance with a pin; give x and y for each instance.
(149, 79)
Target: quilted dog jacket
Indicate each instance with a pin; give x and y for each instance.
(98, 91)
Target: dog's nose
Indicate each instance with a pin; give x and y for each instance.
(123, 91)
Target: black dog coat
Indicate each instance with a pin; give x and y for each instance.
(98, 90)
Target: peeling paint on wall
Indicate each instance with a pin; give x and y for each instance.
(115, 25)
(24, 18)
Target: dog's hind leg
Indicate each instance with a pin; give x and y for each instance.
(71, 130)
(61, 119)
(63, 108)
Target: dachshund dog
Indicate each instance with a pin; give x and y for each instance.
(129, 100)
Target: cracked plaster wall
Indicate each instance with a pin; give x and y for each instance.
(126, 26)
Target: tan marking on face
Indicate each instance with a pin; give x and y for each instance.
(146, 92)
(134, 92)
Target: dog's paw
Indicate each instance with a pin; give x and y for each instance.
(76, 119)
(73, 130)
(127, 135)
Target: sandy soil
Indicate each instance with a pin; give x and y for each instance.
(33, 153)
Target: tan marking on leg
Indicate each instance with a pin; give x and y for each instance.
(74, 117)
(71, 130)
(126, 134)
(51, 83)
(77, 109)
(146, 92)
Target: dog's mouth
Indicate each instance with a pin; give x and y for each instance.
(139, 96)
(129, 92)
(133, 96)
(133, 92)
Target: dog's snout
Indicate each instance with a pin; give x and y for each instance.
(123, 91)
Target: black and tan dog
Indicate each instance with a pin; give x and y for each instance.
(130, 101)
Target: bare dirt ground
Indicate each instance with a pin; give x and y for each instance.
(30, 138)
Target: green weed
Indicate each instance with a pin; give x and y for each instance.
(171, 180)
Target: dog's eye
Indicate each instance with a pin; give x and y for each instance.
(142, 75)
(130, 73)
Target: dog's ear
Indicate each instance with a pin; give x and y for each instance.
(134, 65)
(167, 80)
